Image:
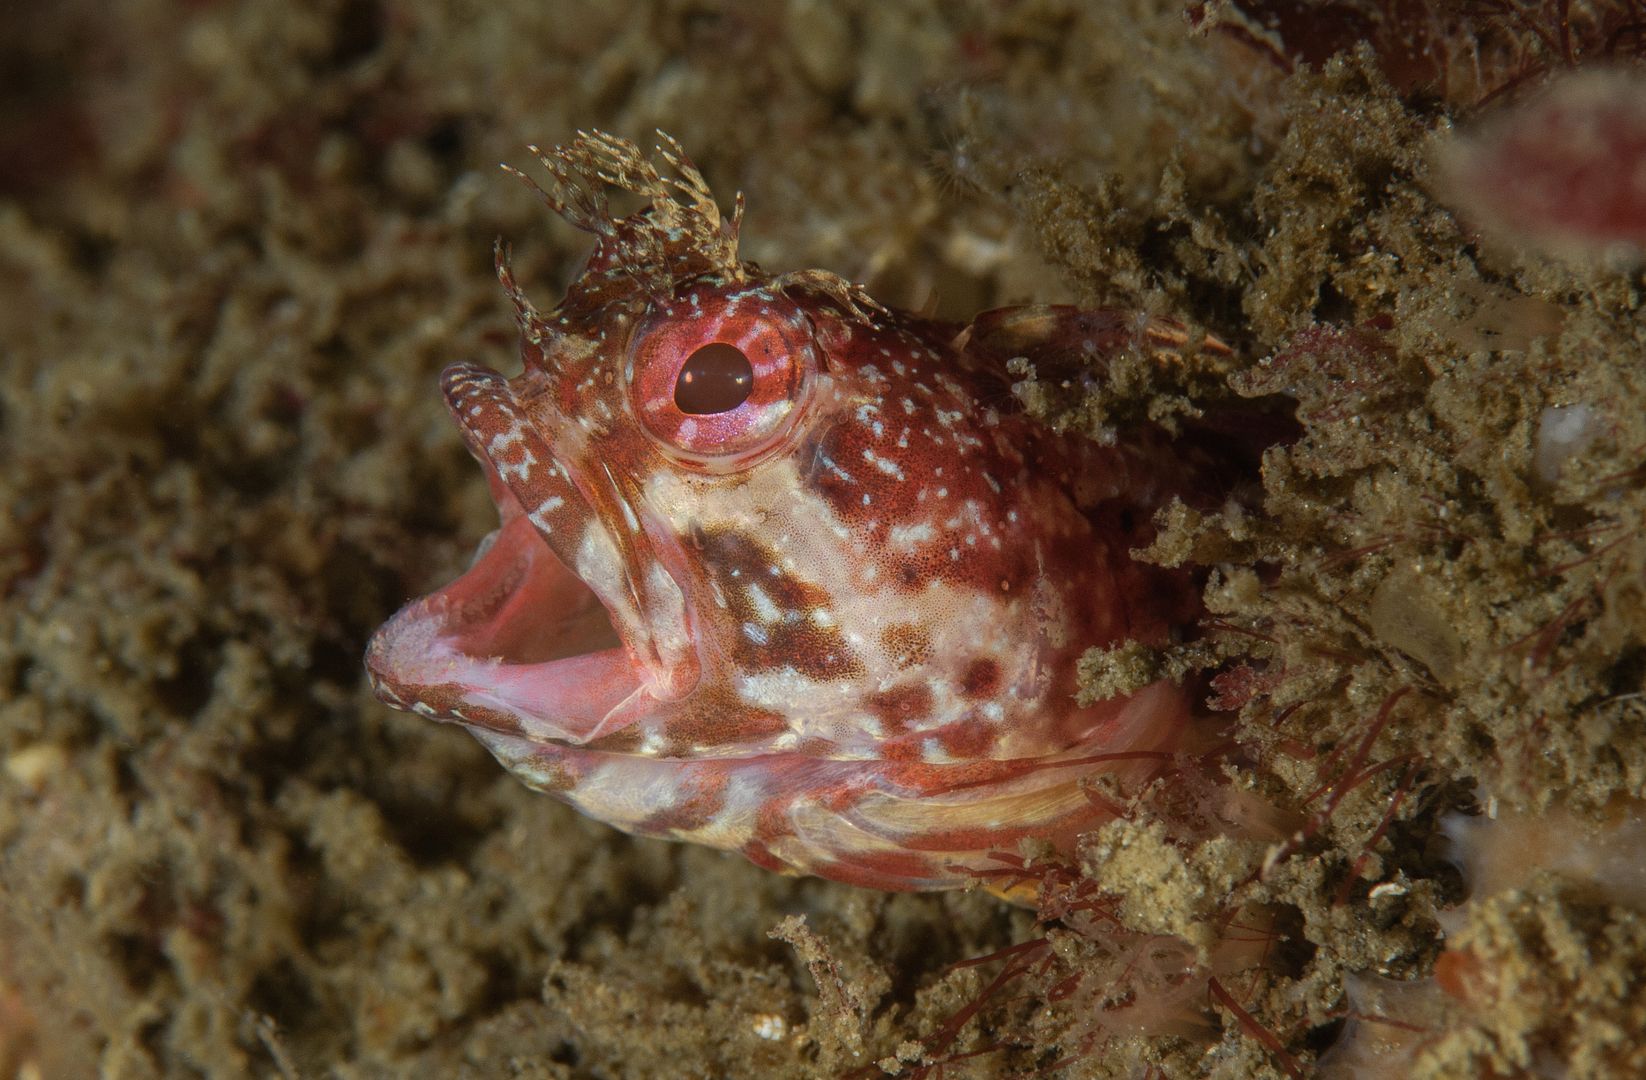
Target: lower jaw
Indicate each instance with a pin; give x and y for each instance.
(878, 824)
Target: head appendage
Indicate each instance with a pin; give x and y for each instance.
(523, 309)
(680, 235)
(574, 194)
(851, 297)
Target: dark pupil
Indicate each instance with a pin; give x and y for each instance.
(717, 378)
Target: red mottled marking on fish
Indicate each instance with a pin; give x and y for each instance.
(900, 706)
(980, 679)
(785, 572)
(759, 592)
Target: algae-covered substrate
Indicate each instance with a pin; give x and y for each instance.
(237, 243)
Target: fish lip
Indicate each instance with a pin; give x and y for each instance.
(483, 650)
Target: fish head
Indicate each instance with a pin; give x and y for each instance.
(748, 476)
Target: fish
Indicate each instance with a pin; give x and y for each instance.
(787, 572)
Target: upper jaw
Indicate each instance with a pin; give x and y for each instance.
(565, 628)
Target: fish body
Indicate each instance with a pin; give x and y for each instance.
(784, 572)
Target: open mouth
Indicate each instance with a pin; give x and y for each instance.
(517, 644)
(569, 626)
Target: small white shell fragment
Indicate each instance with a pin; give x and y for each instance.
(1563, 432)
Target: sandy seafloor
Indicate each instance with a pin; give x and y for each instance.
(237, 243)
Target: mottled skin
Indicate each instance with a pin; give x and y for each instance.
(847, 610)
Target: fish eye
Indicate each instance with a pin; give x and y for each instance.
(715, 379)
(719, 377)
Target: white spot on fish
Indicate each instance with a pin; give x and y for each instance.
(764, 609)
(909, 535)
(885, 465)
